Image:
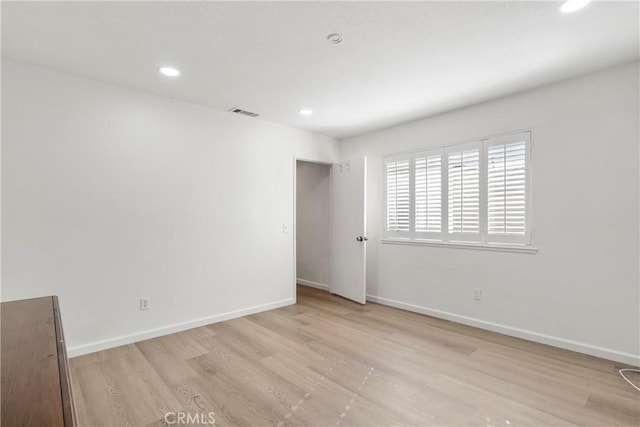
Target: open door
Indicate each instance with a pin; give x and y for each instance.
(348, 225)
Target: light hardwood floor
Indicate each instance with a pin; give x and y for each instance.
(329, 362)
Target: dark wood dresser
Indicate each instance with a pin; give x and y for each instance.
(35, 387)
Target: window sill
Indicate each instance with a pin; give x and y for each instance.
(462, 245)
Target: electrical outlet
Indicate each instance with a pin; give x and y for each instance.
(477, 294)
(285, 229)
(145, 302)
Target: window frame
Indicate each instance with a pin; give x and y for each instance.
(503, 140)
(394, 159)
(482, 239)
(429, 235)
(454, 149)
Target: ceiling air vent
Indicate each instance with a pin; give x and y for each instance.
(244, 112)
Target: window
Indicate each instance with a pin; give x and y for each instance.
(428, 193)
(507, 190)
(398, 196)
(474, 192)
(464, 192)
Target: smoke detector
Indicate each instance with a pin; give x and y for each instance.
(334, 38)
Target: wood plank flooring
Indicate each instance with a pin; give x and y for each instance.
(329, 362)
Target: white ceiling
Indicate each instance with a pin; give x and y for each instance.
(398, 61)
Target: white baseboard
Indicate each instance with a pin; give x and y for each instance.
(313, 284)
(170, 329)
(628, 358)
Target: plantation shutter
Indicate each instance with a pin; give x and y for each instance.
(467, 192)
(398, 195)
(507, 159)
(428, 193)
(464, 194)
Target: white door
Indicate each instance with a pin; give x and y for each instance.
(348, 225)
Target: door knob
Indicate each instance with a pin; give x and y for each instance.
(361, 239)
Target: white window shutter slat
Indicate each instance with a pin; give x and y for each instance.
(428, 193)
(464, 193)
(507, 189)
(398, 195)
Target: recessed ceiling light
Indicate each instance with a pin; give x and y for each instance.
(573, 5)
(305, 112)
(334, 38)
(169, 71)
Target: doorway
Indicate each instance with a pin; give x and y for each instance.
(329, 244)
(313, 224)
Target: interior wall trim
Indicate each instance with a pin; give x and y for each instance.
(311, 284)
(580, 347)
(171, 329)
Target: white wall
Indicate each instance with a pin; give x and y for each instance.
(313, 223)
(581, 290)
(110, 194)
